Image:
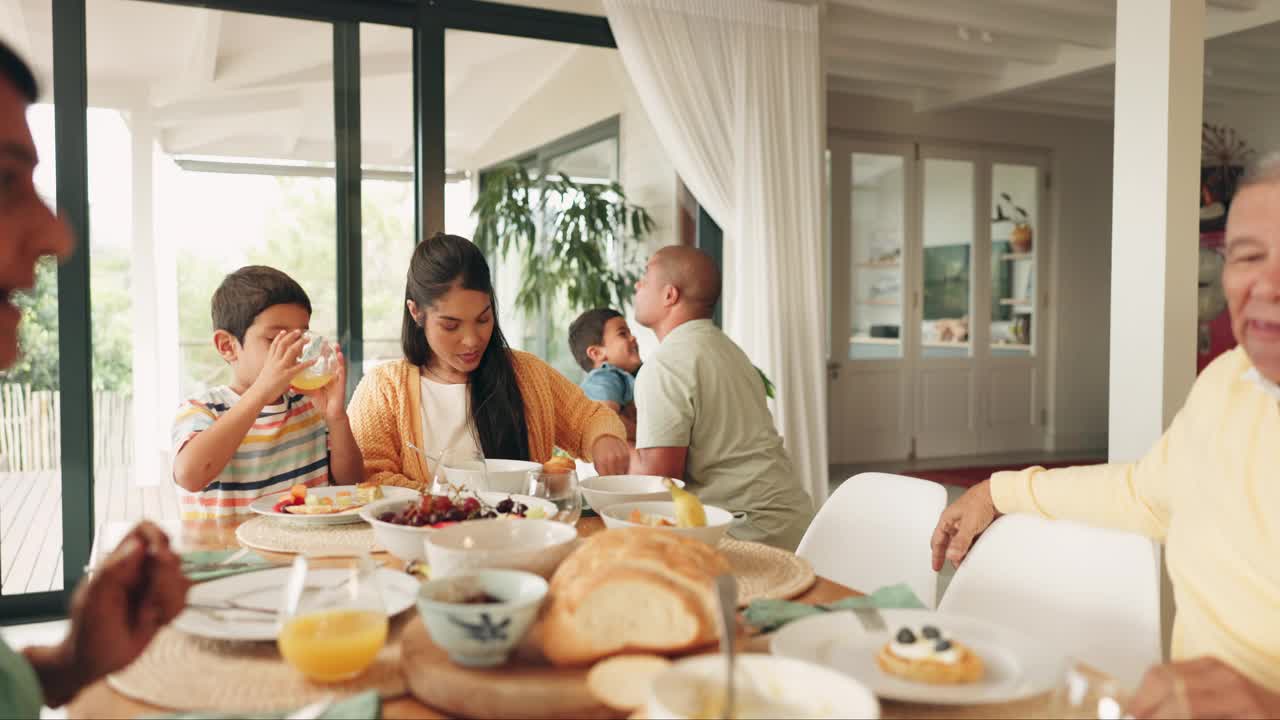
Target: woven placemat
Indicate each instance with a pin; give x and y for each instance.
(765, 572)
(263, 533)
(185, 672)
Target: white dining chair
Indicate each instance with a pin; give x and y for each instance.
(1090, 593)
(874, 531)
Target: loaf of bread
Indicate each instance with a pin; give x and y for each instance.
(632, 590)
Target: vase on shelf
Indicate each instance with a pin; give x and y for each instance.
(1020, 238)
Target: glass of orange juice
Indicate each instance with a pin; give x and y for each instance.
(333, 622)
(317, 376)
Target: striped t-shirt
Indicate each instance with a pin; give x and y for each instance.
(287, 445)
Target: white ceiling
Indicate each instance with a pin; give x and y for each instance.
(1048, 56)
(228, 84)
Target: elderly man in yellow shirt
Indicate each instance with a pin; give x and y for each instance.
(1209, 489)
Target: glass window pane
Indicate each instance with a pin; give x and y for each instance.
(30, 465)
(220, 156)
(948, 252)
(516, 100)
(878, 189)
(387, 209)
(1015, 196)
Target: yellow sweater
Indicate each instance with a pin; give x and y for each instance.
(386, 410)
(1210, 490)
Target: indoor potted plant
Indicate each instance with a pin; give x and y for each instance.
(576, 238)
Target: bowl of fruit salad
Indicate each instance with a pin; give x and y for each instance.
(709, 527)
(401, 526)
(532, 545)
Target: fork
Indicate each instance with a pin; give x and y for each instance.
(727, 594)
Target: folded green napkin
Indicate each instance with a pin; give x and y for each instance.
(202, 558)
(769, 615)
(364, 705)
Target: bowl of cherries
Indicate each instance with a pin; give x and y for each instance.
(400, 526)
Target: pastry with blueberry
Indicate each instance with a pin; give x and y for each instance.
(927, 654)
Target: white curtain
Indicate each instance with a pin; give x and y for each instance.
(734, 90)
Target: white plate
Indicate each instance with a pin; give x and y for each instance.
(263, 590)
(264, 504)
(1016, 666)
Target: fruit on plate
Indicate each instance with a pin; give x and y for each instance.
(689, 510)
(439, 511)
(299, 491)
(367, 492)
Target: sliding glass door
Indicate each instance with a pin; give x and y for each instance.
(192, 138)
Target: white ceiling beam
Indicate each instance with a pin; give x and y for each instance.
(264, 64)
(1096, 9)
(870, 88)
(192, 138)
(204, 39)
(1239, 5)
(856, 25)
(891, 53)
(194, 111)
(1074, 96)
(13, 27)
(1250, 82)
(933, 79)
(1074, 61)
(997, 18)
(1044, 107)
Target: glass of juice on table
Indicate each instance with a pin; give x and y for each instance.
(318, 375)
(333, 622)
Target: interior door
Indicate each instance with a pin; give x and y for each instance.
(870, 366)
(1012, 380)
(946, 292)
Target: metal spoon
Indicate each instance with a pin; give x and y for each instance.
(727, 595)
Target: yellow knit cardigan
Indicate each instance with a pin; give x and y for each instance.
(386, 410)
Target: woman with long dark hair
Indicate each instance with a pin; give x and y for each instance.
(461, 386)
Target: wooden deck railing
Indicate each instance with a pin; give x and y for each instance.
(31, 430)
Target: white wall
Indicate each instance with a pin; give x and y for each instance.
(1080, 223)
(1257, 122)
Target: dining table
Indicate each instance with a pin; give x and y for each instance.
(101, 700)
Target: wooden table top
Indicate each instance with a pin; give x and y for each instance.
(102, 701)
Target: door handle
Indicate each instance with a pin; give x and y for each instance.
(833, 370)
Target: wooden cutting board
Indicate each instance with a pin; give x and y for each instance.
(526, 687)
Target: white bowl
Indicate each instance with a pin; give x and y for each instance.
(406, 541)
(718, 519)
(779, 687)
(505, 476)
(536, 546)
(605, 490)
(481, 635)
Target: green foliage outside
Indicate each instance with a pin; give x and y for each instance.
(299, 240)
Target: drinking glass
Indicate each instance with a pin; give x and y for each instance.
(560, 488)
(332, 621)
(1086, 693)
(459, 470)
(318, 375)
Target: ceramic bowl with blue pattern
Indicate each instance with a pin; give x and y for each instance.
(479, 617)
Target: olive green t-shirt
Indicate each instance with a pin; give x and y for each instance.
(700, 391)
(20, 693)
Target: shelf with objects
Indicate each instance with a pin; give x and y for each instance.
(877, 203)
(1013, 266)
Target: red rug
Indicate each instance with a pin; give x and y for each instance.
(970, 476)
